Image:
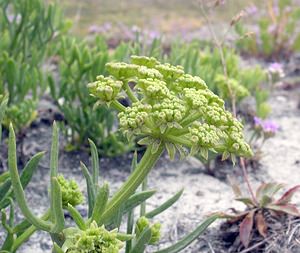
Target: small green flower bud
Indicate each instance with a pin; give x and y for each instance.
(94, 239)
(149, 62)
(143, 223)
(169, 71)
(70, 192)
(105, 88)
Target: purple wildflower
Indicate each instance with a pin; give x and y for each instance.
(251, 10)
(100, 29)
(257, 121)
(267, 126)
(270, 127)
(277, 69)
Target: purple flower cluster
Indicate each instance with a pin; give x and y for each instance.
(276, 68)
(251, 10)
(267, 126)
(106, 27)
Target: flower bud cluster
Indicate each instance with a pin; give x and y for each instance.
(234, 143)
(94, 239)
(169, 112)
(205, 135)
(153, 90)
(169, 71)
(142, 224)
(189, 81)
(105, 88)
(70, 192)
(173, 107)
(149, 62)
(134, 117)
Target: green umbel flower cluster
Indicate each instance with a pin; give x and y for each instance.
(143, 223)
(70, 192)
(92, 240)
(105, 88)
(173, 108)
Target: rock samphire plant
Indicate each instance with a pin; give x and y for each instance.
(96, 233)
(168, 110)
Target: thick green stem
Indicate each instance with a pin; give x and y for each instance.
(143, 205)
(135, 179)
(17, 186)
(188, 120)
(27, 233)
(118, 106)
(179, 140)
(129, 92)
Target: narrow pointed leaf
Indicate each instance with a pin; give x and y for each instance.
(76, 217)
(95, 163)
(188, 239)
(100, 203)
(287, 208)
(142, 241)
(171, 150)
(164, 206)
(137, 199)
(261, 224)
(17, 186)
(246, 228)
(57, 212)
(90, 188)
(287, 196)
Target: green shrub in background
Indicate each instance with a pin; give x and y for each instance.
(26, 28)
(79, 62)
(244, 81)
(277, 36)
(3, 106)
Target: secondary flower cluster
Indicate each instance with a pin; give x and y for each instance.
(142, 224)
(94, 239)
(70, 192)
(170, 107)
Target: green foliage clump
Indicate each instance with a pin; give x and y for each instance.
(92, 240)
(21, 115)
(238, 83)
(3, 106)
(27, 28)
(70, 191)
(78, 63)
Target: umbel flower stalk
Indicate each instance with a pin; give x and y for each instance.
(168, 110)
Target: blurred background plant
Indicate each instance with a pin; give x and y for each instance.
(27, 28)
(277, 34)
(78, 62)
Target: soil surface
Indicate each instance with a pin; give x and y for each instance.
(203, 193)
